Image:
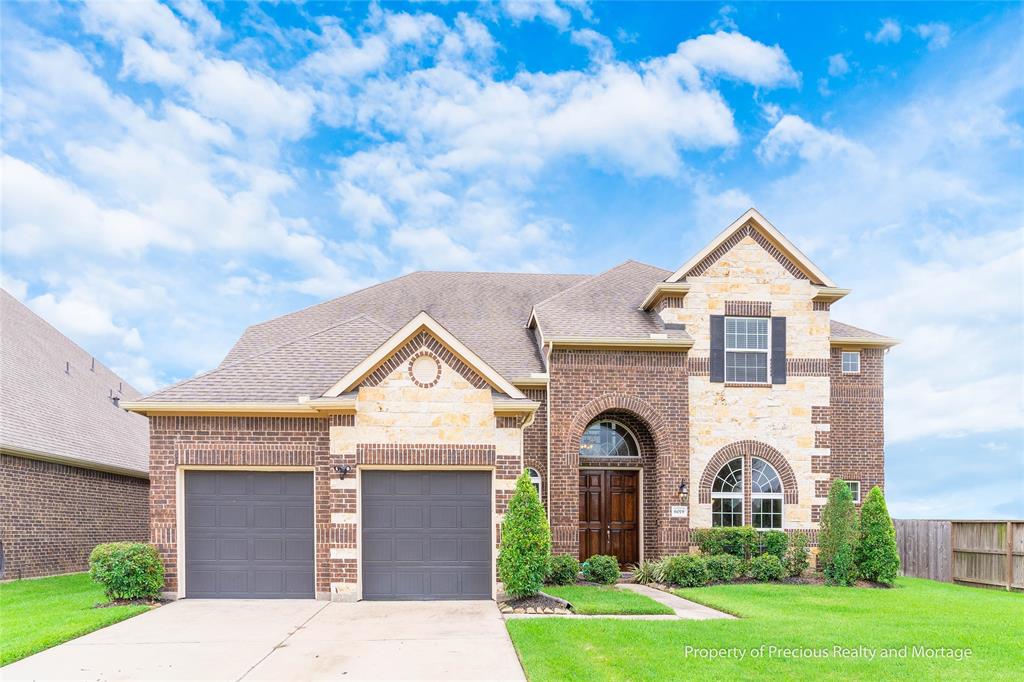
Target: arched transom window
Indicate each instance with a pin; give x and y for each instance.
(608, 438)
(765, 495)
(727, 495)
(534, 479)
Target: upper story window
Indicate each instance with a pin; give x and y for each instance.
(854, 490)
(851, 362)
(607, 438)
(746, 350)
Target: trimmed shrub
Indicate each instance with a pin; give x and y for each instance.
(686, 570)
(766, 568)
(724, 568)
(740, 541)
(647, 572)
(798, 558)
(837, 538)
(601, 568)
(775, 542)
(563, 569)
(876, 556)
(127, 570)
(525, 542)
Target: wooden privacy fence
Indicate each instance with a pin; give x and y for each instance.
(975, 552)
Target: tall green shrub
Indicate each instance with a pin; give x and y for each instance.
(127, 570)
(525, 542)
(837, 537)
(877, 557)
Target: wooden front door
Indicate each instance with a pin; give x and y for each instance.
(610, 514)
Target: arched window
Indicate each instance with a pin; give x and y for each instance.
(765, 495)
(608, 438)
(534, 479)
(727, 495)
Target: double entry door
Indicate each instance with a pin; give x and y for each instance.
(610, 514)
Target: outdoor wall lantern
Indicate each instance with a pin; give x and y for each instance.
(683, 492)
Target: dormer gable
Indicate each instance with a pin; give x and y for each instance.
(423, 335)
(754, 225)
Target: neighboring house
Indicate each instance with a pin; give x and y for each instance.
(74, 466)
(366, 447)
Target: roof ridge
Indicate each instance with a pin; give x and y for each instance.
(265, 352)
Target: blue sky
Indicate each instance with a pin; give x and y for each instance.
(175, 172)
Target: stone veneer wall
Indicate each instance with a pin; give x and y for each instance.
(650, 386)
(52, 515)
(748, 280)
(235, 442)
(449, 424)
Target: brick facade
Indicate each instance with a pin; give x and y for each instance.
(857, 439)
(535, 439)
(650, 390)
(52, 515)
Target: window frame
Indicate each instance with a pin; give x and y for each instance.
(768, 496)
(842, 361)
(629, 432)
(536, 479)
(856, 496)
(728, 496)
(767, 350)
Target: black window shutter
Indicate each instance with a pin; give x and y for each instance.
(778, 350)
(718, 348)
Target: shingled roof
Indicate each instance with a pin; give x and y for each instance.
(56, 399)
(840, 331)
(606, 305)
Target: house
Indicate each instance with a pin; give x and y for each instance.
(74, 467)
(366, 447)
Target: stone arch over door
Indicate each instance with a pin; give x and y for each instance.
(745, 449)
(615, 402)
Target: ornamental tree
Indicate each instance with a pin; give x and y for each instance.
(525, 542)
(878, 559)
(837, 537)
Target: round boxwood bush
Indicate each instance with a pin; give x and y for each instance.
(127, 570)
(525, 542)
(724, 568)
(601, 568)
(563, 569)
(775, 542)
(766, 568)
(686, 570)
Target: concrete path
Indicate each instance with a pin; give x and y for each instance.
(288, 640)
(684, 608)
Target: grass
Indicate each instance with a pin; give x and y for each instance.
(40, 613)
(592, 600)
(810, 618)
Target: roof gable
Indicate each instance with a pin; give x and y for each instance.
(754, 225)
(423, 331)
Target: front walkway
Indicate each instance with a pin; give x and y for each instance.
(288, 640)
(684, 608)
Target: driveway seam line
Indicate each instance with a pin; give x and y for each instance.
(286, 638)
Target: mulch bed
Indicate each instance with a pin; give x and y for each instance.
(132, 602)
(538, 603)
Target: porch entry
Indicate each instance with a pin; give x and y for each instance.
(610, 514)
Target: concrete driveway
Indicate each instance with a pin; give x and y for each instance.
(288, 640)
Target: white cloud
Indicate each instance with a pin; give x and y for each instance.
(530, 10)
(597, 45)
(837, 65)
(889, 32)
(725, 19)
(18, 288)
(793, 135)
(937, 34)
(734, 55)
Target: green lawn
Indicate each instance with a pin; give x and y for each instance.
(40, 613)
(810, 618)
(592, 600)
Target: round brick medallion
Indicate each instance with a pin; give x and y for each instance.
(425, 369)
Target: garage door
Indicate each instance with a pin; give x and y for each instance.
(426, 535)
(248, 534)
